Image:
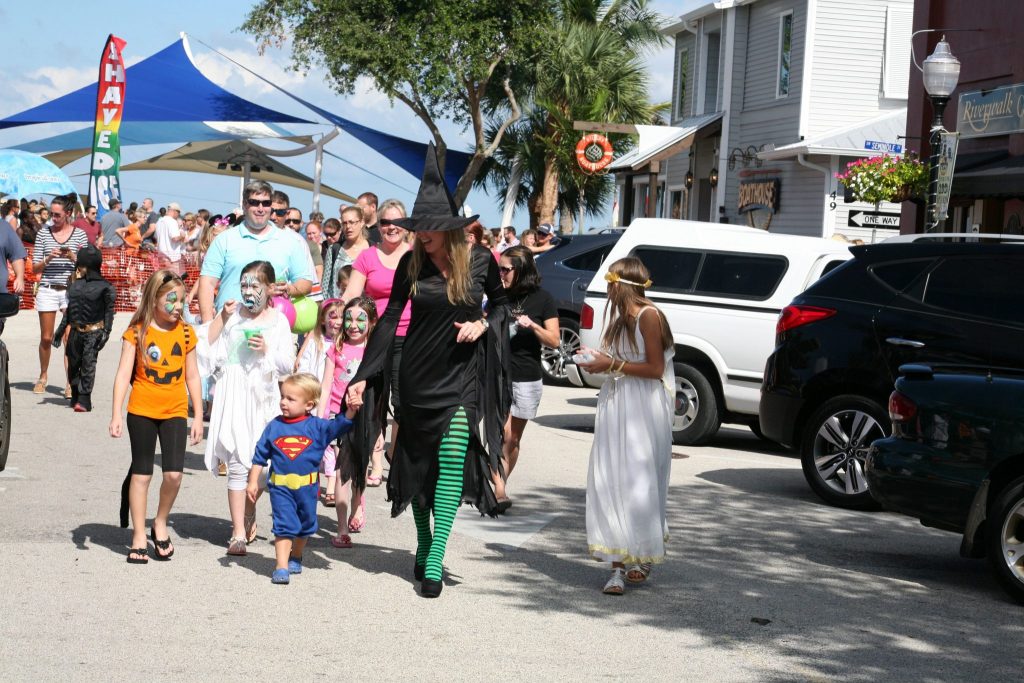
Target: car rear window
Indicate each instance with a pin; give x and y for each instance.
(984, 287)
(899, 275)
(719, 274)
(589, 260)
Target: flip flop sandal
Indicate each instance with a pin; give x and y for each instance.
(329, 500)
(250, 528)
(616, 584)
(638, 573)
(356, 525)
(161, 546)
(138, 560)
(341, 541)
(236, 546)
(503, 505)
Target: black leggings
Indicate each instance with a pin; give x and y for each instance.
(143, 433)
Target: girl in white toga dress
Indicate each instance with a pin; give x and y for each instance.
(627, 484)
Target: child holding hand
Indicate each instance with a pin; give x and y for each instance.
(293, 445)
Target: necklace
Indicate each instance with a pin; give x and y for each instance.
(516, 307)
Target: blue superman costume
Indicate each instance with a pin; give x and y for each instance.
(293, 448)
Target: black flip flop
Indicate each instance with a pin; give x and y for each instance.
(503, 505)
(138, 551)
(161, 545)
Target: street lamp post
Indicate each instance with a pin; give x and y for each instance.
(941, 73)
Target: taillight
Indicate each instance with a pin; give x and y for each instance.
(901, 408)
(795, 316)
(586, 318)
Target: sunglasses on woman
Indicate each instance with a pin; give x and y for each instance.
(505, 270)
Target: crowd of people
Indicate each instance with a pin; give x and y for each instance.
(429, 331)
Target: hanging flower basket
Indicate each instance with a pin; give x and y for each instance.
(885, 178)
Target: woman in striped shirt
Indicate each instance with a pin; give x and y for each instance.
(54, 258)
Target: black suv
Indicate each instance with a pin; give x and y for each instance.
(912, 299)
(565, 272)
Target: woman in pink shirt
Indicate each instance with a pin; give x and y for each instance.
(373, 272)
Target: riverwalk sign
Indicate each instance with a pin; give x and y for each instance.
(873, 219)
(999, 111)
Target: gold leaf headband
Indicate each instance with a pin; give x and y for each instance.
(614, 277)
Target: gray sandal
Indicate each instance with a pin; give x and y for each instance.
(638, 573)
(616, 584)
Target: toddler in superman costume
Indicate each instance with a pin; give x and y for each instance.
(293, 445)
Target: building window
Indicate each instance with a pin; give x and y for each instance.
(682, 69)
(714, 47)
(785, 54)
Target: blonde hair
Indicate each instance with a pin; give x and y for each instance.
(158, 284)
(306, 383)
(459, 279)
(622, 298)
(321, 321)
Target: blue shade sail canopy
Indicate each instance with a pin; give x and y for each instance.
(164, 87)
(23, 174)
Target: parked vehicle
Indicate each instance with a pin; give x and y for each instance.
(8, 306)
(565, 273)
(910, 299)
(955, 460)
(721, 288)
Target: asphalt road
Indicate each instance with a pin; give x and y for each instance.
(763, 582)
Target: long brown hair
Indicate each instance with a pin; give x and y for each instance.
(158, 284)
(459, 280)
(622, 298)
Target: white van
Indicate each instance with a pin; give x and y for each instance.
(721, 288)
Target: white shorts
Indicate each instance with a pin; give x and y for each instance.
(526, 399)
(49, 299)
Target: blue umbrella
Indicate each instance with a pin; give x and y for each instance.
(23, 174)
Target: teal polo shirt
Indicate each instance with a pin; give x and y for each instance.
(237, 247)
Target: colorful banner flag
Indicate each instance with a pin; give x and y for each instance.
(106, 145)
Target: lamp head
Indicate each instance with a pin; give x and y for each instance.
(941, 71)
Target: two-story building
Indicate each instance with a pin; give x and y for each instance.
(771, 99)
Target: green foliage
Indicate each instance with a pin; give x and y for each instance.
(885, 178)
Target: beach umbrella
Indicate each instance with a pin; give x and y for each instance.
(23, 174)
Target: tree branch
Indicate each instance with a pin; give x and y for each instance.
(509, 120)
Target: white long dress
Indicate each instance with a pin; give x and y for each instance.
(247, 396)
(630, 460)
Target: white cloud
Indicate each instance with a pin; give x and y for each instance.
(659, 71)
(228, 75)
(368, 98)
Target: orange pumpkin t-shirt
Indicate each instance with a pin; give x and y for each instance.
(159, 388)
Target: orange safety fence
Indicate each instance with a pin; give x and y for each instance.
(125, 268)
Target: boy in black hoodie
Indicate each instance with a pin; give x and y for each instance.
(90, 315)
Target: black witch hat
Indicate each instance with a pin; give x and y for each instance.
(435, 208)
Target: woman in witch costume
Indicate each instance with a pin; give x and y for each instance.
(453, 374)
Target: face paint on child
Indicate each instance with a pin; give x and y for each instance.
(254, 293)
(334, 324)
(358, 322)
(171, 301)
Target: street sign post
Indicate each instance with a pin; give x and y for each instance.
(947, 160)
(873, 219)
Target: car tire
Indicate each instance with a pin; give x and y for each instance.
(553, 361)
(755, 427)
(1005, 538)
(5, 409)
(834, 445)
(696, 417)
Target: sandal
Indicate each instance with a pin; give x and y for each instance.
(236, 546)
(503, 505)
(638, 573)
(355, 525)
(341, 541)
(222, 470)
(616, 584)
(40, 387)
(329, 500)
(161, 545)
(250, 528)
(67, 391)
(143, 554)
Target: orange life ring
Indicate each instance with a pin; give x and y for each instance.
(593, 152)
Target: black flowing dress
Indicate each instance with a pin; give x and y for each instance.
(437, 375)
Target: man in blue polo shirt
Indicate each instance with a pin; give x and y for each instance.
(256, 239)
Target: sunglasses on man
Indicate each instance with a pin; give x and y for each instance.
(293, 221)
(265, 203)
(280, 212)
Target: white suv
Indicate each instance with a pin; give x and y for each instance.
(721, 288)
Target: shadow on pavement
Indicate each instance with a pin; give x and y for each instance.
(843, 591)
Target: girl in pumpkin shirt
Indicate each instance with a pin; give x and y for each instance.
(158, 360)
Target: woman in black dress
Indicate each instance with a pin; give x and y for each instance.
(454, 384)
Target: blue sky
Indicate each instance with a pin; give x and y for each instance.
(44, 59)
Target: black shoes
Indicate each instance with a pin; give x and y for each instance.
(418, 570)
(430, 588)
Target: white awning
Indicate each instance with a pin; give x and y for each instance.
(867, 138)
(661, 142)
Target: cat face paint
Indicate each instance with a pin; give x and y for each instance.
(356, 323)
(254, 293)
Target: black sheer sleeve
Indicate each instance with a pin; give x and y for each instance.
(109, 299)
(378, 349)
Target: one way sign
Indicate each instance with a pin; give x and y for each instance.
(873, 219)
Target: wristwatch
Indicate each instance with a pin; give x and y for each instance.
(487, 325)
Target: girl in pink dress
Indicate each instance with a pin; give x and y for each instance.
(343, 358)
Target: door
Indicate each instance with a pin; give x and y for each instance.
(704, 200)
(963, 311)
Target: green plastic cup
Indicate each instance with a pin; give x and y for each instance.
(249, 334)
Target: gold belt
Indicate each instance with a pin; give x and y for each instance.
(91, 327)
(294, 481)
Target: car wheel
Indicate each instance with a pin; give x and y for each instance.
(5, 409)
(834, 446)
(553, 361)
(755, 427)
(696, 417)
(1005, 537)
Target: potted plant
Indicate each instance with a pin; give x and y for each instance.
(885, 178)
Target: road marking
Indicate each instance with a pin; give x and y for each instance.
(510, 530)
(10, 473)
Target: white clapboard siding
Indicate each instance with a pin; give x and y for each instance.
(761, 72)
(847, 72)
(684, 41)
